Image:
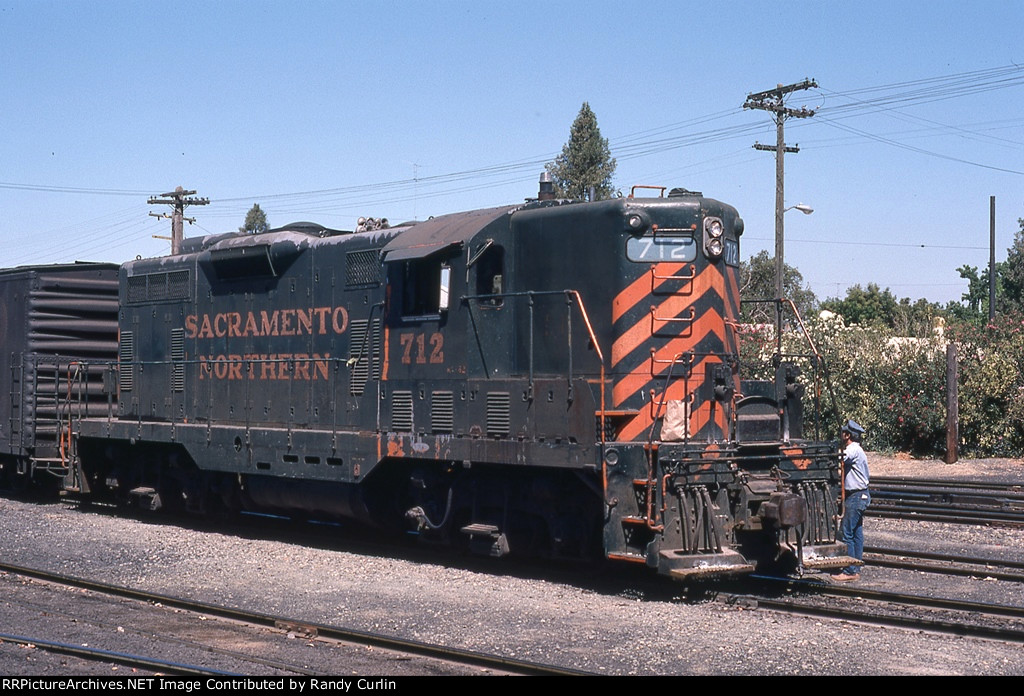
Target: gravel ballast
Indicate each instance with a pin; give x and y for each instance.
(529, 615)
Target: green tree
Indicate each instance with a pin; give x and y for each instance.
(1013, 274)
(974, 302)
(869, 306)
(585, 161)
(757, 281)
(873, 306)
(255, 221)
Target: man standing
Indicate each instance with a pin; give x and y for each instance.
(855, 483)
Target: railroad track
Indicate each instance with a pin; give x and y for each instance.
(916, 612)
(307, 630)
(113, 657)
(946, 500)
(945, 564)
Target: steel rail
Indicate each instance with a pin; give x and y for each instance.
(466, 657)
(1011, 487)
(967, 568)
(119, 658)
(953, 515)
(181, 642)
(936, 556)
(1006, 633)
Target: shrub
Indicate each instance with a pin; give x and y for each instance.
(896, 386)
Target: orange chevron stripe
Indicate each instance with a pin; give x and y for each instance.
(629, 384)
(699, 417)
(732, 309)
(702, 417)
(732, 282)
(641, 287)
(642, 330)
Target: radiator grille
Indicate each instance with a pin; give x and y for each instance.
(158, 287)
(362, 267)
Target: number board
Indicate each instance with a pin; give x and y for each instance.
(659, 249)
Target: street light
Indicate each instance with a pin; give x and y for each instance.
(805, 209)
(779, 258)
(780, 264)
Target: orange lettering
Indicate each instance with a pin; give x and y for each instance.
(305, 319)
(284, 365)
(220, 367)
(320, 365)
(321, 313)
(421, 354)
(339, 327)
(286, 322)
(269, 323)
(235, 367)
(190, 326)
(302, 366)
(437, 355)
(206, 331)
(406, 341)
(268, 369)
(250, 326)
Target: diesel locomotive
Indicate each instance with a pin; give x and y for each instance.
(553, 378)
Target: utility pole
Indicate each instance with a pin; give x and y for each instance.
(991, 258)
(774, 100)
(178, 198)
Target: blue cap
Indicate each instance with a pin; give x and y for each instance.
(853, 426)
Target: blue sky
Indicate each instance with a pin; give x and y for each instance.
(327, 111)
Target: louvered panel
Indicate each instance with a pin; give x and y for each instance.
(498, 417)
(401, 411)
(125, 356)
(442, 412)
(364, 353)
(178, 360)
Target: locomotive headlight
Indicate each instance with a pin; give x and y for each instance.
(713, 226)
(714, 243)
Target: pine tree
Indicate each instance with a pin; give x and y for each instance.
(585, 161)
(255, 221)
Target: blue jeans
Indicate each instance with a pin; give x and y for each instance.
(851, 531)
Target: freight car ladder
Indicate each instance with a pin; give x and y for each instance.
(49, 408)
(14, 426)
(52, 395)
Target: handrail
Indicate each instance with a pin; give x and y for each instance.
(655, 317)
(671, 276)
(819, 359)
(634, 187)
